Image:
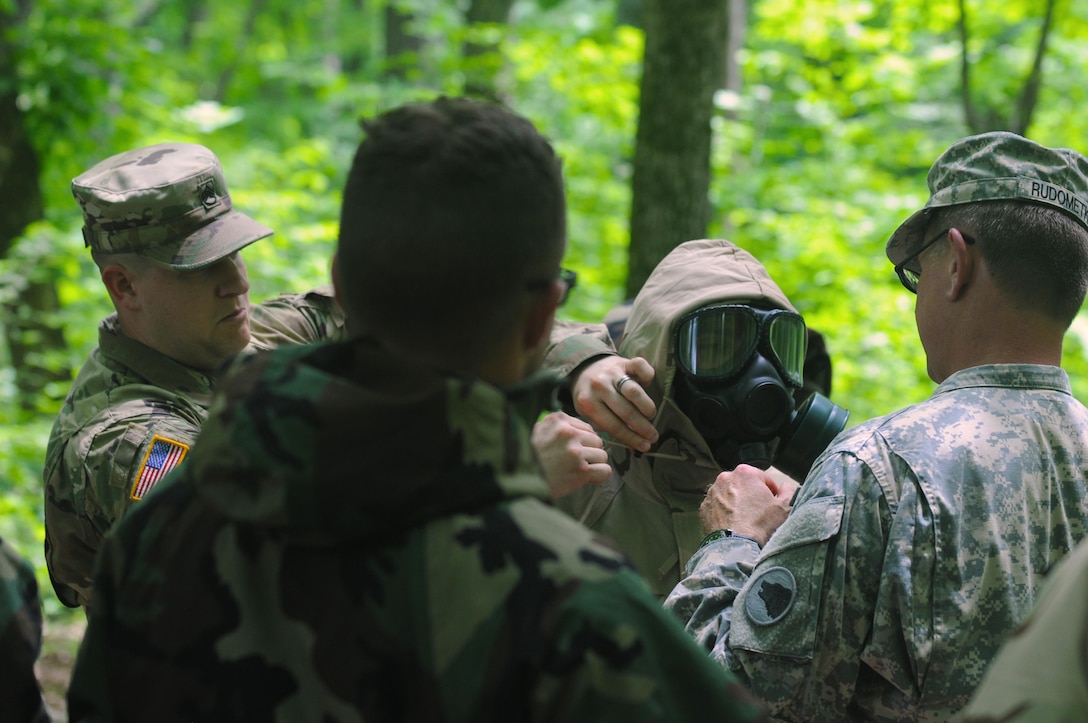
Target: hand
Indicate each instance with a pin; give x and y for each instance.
(570, 453)
(623, 413)
(747, 501)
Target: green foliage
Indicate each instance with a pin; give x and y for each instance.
(822, 152)
(825, 151)
(21, 513)
(583, 88)
(88, 81)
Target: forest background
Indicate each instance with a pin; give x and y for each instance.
(802, 130)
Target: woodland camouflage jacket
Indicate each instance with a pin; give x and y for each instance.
(128, 402)
(355, 538)
(20, 640)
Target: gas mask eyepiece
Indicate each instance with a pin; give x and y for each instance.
(716, 343)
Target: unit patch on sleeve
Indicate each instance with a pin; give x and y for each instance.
(770, 596)
(162, 456)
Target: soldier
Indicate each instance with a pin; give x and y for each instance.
(163, 232)
(727, 351)
(361, 533)
(20, 640)
(919, 539)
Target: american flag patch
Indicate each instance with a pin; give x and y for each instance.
(163, 456)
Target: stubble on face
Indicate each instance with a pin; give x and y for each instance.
(201, 318)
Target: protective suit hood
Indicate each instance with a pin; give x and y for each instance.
(694, 274)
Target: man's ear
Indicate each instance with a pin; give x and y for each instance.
(122, 283)
(541, 314)
(962, 267)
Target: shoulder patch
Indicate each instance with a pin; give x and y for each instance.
(162, 456)
(770, 596)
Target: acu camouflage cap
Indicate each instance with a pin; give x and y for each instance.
(993, 167)
(168, 203)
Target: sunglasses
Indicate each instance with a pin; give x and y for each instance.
(568, 278)
(909, 269)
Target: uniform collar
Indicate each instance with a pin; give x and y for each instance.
(157, 368)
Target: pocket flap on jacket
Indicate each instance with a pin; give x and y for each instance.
(813, 521)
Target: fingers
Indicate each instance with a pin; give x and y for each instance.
(640, 371)
(782, 486)
(747, 501)
(786, 491)
(571, 455)
(583, 433)
(782, 483)
(562, 430)
(747, 476)
(595, 473)
(621, 420)
(621, 410)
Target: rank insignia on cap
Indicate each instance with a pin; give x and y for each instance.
(770, 596)
(163, 455)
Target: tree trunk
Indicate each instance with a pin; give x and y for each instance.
(629, 12)
(401, 47)
(1029, 95)
(226, 75)
(483, 60)
(19, 185)
(1015, 117)
(737, 27)
(28, 319)
(33, 334)
(353, 55)
(682, 68)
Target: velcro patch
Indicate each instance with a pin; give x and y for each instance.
(162, 456)
(770, 596)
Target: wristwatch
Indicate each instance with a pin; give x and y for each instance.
(720, 534)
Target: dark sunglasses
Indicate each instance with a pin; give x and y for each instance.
(566, 276)
(909, 270)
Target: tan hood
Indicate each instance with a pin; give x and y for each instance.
(694, 274)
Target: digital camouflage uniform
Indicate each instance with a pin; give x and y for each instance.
(132, 412)
(650, 504)
(916, 544)
(20, 641)
(1041, 674)
(354, 538)
(919, 539)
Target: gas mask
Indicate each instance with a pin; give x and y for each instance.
(737, 368)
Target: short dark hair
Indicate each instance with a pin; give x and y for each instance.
(452, 210)
(1038, 255)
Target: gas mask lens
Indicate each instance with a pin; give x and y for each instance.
(718, 342)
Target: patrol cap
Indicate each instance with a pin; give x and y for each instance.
(168, 203)
(993, 167)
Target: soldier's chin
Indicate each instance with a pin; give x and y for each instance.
(236, 342)
(244, 338)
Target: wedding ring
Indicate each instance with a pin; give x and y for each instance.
(621, 381)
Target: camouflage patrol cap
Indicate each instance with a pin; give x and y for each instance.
(168, 203)
(998, 166)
